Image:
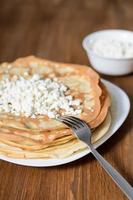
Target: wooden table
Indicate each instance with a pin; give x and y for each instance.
(54, 30)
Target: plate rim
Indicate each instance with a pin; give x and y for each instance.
(57, 162)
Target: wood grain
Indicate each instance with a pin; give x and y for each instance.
(54, 30)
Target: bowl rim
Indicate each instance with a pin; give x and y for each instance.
(88, 50)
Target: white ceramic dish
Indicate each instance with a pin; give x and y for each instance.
(119, 110)
(109, 66)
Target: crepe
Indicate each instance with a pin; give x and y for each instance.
(42, 137)
(83, 80)
(60, 148)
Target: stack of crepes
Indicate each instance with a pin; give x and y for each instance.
(42, 137)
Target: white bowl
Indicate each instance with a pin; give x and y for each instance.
(104, 65)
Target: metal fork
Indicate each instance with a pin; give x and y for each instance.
(83, 132)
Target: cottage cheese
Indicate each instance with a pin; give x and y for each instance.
(36, 96)
(113, 48)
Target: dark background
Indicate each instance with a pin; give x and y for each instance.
(54, 30)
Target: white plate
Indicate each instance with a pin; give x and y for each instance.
(119, 111)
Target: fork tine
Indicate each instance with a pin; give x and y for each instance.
(68, 123)
(73, 122)
(65, 122)
(80, 122)
(76, 120)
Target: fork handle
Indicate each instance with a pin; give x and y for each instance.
(118, 179)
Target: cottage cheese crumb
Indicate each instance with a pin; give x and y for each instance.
(36, 96)
(113, 48)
